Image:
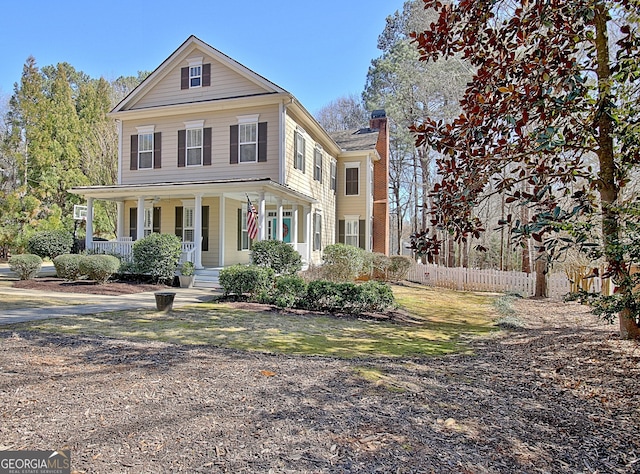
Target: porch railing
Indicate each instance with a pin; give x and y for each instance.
(124, 249)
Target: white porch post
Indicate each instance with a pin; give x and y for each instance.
(308, 233)
(262, 217)
(88, 239)
(221, 228)
(120, 222)
(140, 219)
(294, 227)
(197, 230)
(279, 232)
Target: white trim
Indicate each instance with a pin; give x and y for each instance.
(146, 129)
(254, 144)
(248, 118)
(196, 61)
(120, 154)
(221, 230)
(194, 124)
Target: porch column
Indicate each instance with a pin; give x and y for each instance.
(197, 230)
(120, 222)
(140, 219)
(221, 228)
(88, 239)
(307, 233)
(294, 227)
(262, 217)
(279, 232)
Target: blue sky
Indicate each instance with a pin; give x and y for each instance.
(317, 50)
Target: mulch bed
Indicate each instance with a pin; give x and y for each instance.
(87, 286)
(560, 395)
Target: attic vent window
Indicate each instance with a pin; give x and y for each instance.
(196, 74)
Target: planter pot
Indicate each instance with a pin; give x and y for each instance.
(164, 300)
(186, 281)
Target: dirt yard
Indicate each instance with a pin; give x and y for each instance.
(560, 395)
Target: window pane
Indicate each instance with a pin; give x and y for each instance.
(247, 153)
(146, 160)
(352, 181)
(194, 137)
(194, 156)
(145, 142)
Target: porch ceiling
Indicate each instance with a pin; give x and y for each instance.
(233, 188)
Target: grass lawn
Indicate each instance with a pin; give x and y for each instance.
(439, 321)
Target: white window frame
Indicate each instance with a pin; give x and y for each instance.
(244, 239)
(348, 166)
(188, 220)
(147, 131)
(148, 220)
(299, 159)
(193, 126)
(352, 230)
(195, 72)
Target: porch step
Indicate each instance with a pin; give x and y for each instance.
(207, 278)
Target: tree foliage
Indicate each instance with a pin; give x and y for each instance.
(553, 102)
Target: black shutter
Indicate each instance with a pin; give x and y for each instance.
(362, 234)
(262, 141)
(233, 144)
(157, 150)
(206, 148)
(182, 148)
(179, 221)
(156, 220)
(341, 231)
(133, 223)
(184, 78)
(205, 228)
(134, 152)
(206, 75)
(240, 229)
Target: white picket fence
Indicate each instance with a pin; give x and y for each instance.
(471, 279)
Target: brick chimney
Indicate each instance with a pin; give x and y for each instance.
(381, 184)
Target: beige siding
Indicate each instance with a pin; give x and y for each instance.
(231, 254)
(352, 205)
(224, 83)
(220, 123)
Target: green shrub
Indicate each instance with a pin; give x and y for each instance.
(379, 264)
(187, 269)
(99, 267)
(68, 266)
(289, 291)
(343, 262)
(157, 255)
(399, 267)
(348, 297)
(26, 265)
(245, 279)
(50, 243)
(278, 255)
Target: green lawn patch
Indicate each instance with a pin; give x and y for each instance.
(438, 319)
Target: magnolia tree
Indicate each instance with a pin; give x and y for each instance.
(550, 120)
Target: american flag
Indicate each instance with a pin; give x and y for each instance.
(252, 220)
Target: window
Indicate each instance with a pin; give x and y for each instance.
(245, 242)
(317, 231)
(195, 76)
(248, 142)
(351, 231)
(148, 221)
(317, 164)
(333, 176)
(187, 224)
(194, 143)
(352, 175)
(299, 151)
(145, 150)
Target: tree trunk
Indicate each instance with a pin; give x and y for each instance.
(608, 185)
(541, 277)
(526, 252)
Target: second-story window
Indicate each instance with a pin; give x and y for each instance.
(145, 150)
(334, 186)
(195, 76)
(352, 180)
(194, 147)
(317, 164)
(299, 151)
(248, 142)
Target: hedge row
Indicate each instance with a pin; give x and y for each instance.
(93, 267)
(290, 291)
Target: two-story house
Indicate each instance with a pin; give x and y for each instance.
(203, 134)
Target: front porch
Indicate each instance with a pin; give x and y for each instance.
(209, 218)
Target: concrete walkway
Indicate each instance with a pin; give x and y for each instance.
(87, 304)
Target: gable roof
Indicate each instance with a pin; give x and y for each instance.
(356, 140)
(178, 55)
